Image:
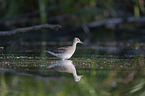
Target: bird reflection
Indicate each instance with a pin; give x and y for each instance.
(65, 66)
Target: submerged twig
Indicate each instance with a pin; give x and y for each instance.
(22, 30)
(115, 21)
(1, 48)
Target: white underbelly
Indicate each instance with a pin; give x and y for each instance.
(65, 56)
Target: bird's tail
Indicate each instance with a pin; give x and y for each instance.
(52, 53)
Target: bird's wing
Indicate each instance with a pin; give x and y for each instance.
(62, 49)
(65, 48)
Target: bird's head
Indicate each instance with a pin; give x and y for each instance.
(78, 78)
(77, 40)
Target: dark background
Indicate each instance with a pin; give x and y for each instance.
(93, 21)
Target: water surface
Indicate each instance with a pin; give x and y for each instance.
(92, 71)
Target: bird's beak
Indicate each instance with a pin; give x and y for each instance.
(82, 75)
(81, 42)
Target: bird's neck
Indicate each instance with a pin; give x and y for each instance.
(74, 44)
(75, 74)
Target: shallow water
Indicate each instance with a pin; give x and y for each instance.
(90, 72)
